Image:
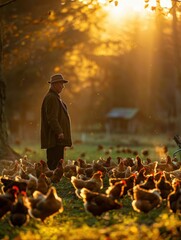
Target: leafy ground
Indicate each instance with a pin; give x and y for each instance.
(75, 223)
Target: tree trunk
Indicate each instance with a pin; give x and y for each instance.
(6, 152)
(177, 64)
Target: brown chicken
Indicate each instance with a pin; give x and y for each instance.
(149, 183)
(164, 186)
(19, 211)
(99, 167)
(174, 198)
(44, 166)
(43, 206)
(116, 191)
(70, 169)
(128, 161)
(95, 183)
(12, 172)
(42, 184)
(145, 200)
(138, 165)
(176, 173)
(141, 176)
(58, 172)
(7, 199)
(38, 169)
(145, 152)
(105, 163)
(97, 203)
(130, 182)
(150, 167)
(168, 166)
(32, 184)
(158, 175)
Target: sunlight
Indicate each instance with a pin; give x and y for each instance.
(126, 8)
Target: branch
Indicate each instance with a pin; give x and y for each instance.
(7, 3)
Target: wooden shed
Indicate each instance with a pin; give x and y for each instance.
(123, 120)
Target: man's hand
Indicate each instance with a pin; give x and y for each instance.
(60, 136)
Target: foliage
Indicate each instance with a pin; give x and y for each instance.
(127, 62)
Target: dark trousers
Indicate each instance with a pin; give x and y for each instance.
(54, 154)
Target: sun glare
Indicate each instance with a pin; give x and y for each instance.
(126, 8)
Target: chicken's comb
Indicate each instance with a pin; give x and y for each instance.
(23, 193)
(123, 182)
(99, 172)
(15, 188)
(42, 161)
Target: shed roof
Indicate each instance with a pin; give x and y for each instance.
(125, 113)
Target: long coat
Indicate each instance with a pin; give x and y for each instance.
(54, 120)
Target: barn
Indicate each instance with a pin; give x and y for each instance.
(126, 120)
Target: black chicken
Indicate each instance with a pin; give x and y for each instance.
(97, 203)
(19, 211)
(174, 199)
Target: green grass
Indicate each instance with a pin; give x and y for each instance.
(75, 223)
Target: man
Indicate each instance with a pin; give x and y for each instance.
(55, 122)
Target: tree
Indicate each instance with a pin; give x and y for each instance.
(6, 152)
(70, 34)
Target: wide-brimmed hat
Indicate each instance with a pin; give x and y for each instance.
(57, 78)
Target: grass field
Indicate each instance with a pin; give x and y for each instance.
(75, 223)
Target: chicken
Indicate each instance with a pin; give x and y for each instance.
(42, 184)
(25, 162)
(12, 172)
(128, 172)
(176, 173)
(145, 200)
(58, 172)
(97, 203)
(150, 167)
(117, 174)
(174, 199)
(99, 167)
(130, 182)
(23, 174)
(119, 170)
(164, 186)
(145, 152)
(44, 166)
(7, 199)
(89, 172)
(105, 163)
(82, 163)
(19, 211)
(168, 166)
(149, 183)
(38, 169)
(43, 206)
(80, 170)
(158, 175)
(32, 184)
(9, 183)
(95, 183)
(128, 162)
(70, 169)
(141, 176)
(100, 147)
(138, 165)
(116, 191)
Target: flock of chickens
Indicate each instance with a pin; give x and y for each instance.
(28, 189)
